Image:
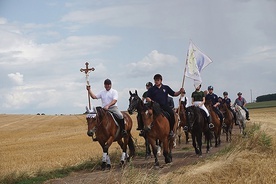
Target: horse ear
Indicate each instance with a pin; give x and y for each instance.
(136, 92)
(130, 93)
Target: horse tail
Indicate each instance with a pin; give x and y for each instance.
(131, 146)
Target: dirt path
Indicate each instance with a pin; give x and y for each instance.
(183, 155)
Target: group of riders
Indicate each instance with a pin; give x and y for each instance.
(161, 93)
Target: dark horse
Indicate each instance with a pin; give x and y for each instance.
(197, 122)
(215, 120)
(183, 122)
(102, 124)
(158, 127)
(229, 120)
(136, 103)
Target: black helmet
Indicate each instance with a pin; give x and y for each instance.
(149, 84)
(239, 93)
(157, 76)
(210, 87)
(225, 93)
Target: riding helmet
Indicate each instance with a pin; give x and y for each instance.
(239, 93)
(149, 84)
(225, 93)
(107, 82)
(210, 88)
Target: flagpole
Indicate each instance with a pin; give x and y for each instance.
(183, 80)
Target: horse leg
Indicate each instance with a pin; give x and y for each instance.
(154, 150)
(199, 142)
(148, 152)
(104, 160)
(187, 137)
(124, 149)
(158, 145)
(166, 150)
(194, 144)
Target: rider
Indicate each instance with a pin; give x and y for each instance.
(228, 103)
(109, 98)
(242, 102)
(215, 103)
(139, 118)
(198, 99)
(159, 93)
(184, 99)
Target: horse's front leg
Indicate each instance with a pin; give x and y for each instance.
(194, 143)
(123, 145)
(154, 150)
(167, 149)
(199, 143)
(106, 163)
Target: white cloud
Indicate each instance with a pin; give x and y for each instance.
(17, 78)
(151, 62)
(3, 20)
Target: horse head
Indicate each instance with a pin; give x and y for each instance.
(134, 102)
(191, 115)
(92, 120)
(147, 115)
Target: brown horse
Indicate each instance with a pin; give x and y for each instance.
(158, 127)
(102, 123)
(215, 120)
(183, 122)
(229, 120)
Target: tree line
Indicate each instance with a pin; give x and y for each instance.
(267, 97)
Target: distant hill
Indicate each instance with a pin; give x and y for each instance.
(264, 104)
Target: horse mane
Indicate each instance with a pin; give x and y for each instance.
(100, 112)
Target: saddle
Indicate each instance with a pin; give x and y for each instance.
(113, 115)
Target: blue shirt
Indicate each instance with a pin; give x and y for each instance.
(160, 95)
(212, 97)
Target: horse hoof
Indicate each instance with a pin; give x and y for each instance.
(103, 166)
(108, 166)
(122, 163)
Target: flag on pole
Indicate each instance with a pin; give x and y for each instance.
(196, 62)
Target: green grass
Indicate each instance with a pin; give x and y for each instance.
(257, 105)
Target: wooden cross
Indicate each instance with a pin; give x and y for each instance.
(86, 71)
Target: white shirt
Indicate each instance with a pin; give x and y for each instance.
(107, 96)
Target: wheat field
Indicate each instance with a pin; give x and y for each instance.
(32, 143)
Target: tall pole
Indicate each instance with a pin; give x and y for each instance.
(86, 71)
(183, 81)
(251, 94)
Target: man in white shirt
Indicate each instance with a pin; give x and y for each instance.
(109, 99)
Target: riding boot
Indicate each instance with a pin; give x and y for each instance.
(171, 129)
(122, 127)
(210, 125)
(235, 118)
(140, 122)
(247, 115)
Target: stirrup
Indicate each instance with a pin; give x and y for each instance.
(171, 134)
(211, 125)
(124, 133)
(185, 128)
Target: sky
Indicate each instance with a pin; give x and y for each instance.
(45, 43)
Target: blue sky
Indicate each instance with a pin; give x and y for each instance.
(45, 43)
